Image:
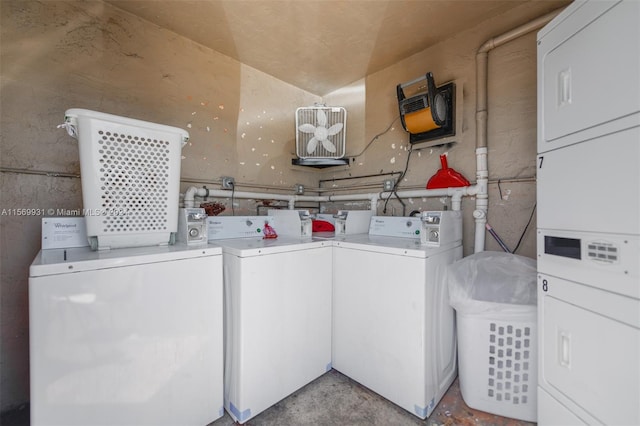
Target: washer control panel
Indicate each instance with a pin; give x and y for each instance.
(441, 227)
(395, 226)
(192, 226)
(222, 227)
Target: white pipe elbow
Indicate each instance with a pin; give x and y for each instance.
(373, 203)
(456, 199)
(479, 237)
(190, 196)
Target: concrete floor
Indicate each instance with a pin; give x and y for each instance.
(334, 399)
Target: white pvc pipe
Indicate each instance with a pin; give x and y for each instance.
(482, 170)
(455, 193)
(373, 206)
(518, 31)
(192, 191)
(190, 194)
(482, 198)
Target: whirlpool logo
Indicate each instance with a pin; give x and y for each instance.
(65, 225)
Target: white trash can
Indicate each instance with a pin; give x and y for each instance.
(494, 295)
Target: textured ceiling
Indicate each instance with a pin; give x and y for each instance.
(320, 45)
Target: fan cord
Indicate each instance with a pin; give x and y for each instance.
(375, 137)
(525, 228)
(395, 186)
(233, 193)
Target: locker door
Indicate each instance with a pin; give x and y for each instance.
(570, 180)
(588, 358)
(589, 70)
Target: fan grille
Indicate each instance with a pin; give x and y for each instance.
(309, 115)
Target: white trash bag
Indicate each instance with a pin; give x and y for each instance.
(490, 282)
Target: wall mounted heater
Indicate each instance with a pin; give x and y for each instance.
(320, 132)
(429, 113)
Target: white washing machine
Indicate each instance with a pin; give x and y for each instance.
(346, 222)
(297, 223)
(126, 336)
(277, 313)
(393, 328)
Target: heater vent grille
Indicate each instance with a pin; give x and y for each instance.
(416, 103)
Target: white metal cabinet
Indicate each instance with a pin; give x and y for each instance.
(393, 328)
(126, 336)
(555, 413)
(606, 169)
(590, 347)
(589, 215)
(277, 320)
(588, 68)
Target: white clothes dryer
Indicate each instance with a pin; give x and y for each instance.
(126, 336)
(277, 313)
(393, 328)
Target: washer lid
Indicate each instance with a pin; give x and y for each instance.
(247, 247)
(389, 245)
(64, 261)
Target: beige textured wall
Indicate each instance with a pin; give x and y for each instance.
(57, 55)
(511, 128)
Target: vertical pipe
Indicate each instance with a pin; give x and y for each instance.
(374, 204)
(482, 198)
(456, 200)
(481, 99)
(482, 175)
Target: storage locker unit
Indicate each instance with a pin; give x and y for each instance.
(589, 215)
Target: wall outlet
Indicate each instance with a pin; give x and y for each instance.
(228, 182)
(388, 184)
